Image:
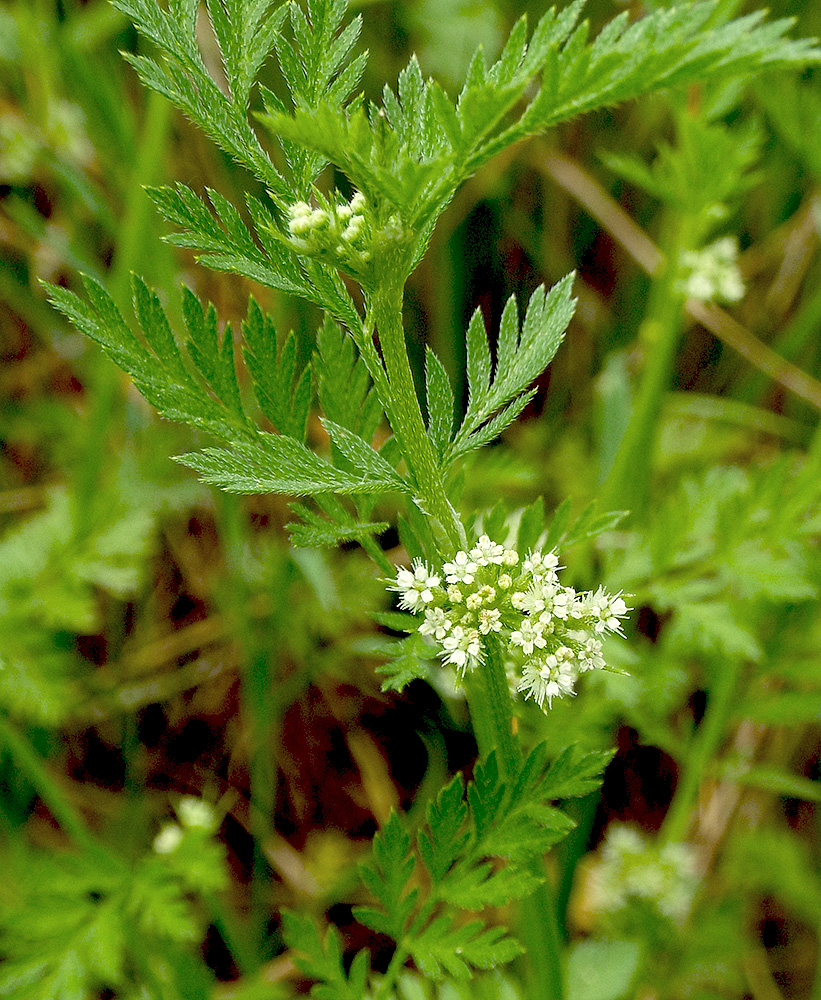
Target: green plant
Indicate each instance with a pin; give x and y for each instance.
(346, 240)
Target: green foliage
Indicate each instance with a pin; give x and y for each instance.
(723, 560)
(254, 461)
(55, 565)
(476, 847)
(522, 356)
(72, 923)
(320, 958)
(432, 145)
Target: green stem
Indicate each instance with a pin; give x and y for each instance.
(397, 963)
(628, 481)
(408, 425)
(30, 763)
(491, 710)
(706, 743)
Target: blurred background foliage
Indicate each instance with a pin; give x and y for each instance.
(159, 641)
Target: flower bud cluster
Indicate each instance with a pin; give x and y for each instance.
(634, 871)
(340, 230)
(551, 633)
(712, 274)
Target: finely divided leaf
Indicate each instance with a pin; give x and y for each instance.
(277, 465)
(521, 357)
(344, 386)
(283, 393)
(314, 530)
(477, 852)
(387, 874)
(367, 462)
(443, 949)
(575, 773)
(439, 394)
(320, 957)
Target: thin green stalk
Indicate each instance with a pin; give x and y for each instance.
(628, 480)
(491, 710)
(31, 764)
(131, 238)
(706, 743)
(261, 708)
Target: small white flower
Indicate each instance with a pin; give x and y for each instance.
(604, 610)
(510, 558)
(541, 563)
(435, 623)
(358, 202)
(590, 655)
(532, 601)
(415, 586)
(168, 839)
(473, 602)
(543, 682)
(528, 636)
(454, 594)
(504, 582)
(196, 813)
(518, 600)
(486, 552)
(713, 272)
(461, 570)
(462, 648)
(562, 602)
(489, 621)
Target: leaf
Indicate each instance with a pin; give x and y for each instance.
(283, 394)
(281, 465)
(601, 970)
(320, 958)
(183, 79)
(387, 874)
(160, 374)
(443, 843)
(575, 773)
(363, 458)
(444, 949)
(344, 386)
(313, 530)
(716, 628)
(440, 401)
(409, 659)
(521, 357)
(531, 526)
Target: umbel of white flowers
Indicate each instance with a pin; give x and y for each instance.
(551, 633)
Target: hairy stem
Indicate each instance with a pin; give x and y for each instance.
(409, 427)
(491, 710)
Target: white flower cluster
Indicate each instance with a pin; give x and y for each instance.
(337, 229)
(713, 273)
(551, 633)
(633, 869)
(193, 814)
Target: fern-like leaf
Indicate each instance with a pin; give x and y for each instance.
(497, 397)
